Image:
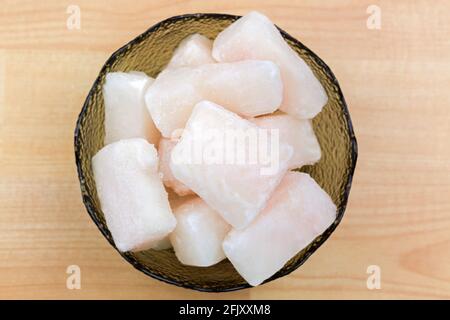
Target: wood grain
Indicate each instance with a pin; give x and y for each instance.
(396, 84)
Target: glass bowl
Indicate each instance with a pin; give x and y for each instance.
(150, 52)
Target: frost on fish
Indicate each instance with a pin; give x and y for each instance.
(299, 133)
(221, 157)
(254, 36)
(197, 238)
(249, 88)
(165, 151)
(193, 51)
(126, 115)
(132, 195)
(298, 211)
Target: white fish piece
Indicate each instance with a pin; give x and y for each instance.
(165, 151)
(194, 50)
(299, 133)
(298, 212)
(126, 115)
(198, 236)
(132, 195)
(254, 36)
(249, 88)
(221, 157)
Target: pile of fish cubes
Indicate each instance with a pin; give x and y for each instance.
(240, 200)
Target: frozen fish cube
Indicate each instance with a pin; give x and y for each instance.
(132, 195)
(126, 115)
(233, 165)
(249, 88)
(193, 51)
(165, 151)
(299, 133)
(298, 211)
(197, 238)
(254, 36)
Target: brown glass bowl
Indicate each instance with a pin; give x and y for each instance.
(150, 52)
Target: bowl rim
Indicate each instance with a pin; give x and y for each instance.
(105, 232)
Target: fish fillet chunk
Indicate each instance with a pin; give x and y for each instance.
(197, 238)
(249, 88)
(193, 51)
(165, 152)
(299, 133)
(132, 195)
(226, 160)
(296, 214)
(126, 115)
(254, 36)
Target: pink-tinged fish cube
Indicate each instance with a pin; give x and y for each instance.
(249, 88)
(165, 151)
(197, 238)
(254, 36)
(132, 195)
(299, 133)
(126, 115)
(231, 163)
(298, 211)
(194, 50)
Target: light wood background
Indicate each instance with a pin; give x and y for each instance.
(396, 81)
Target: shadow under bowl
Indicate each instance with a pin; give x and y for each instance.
(149, 53)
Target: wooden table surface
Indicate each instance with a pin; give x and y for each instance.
(396, 80)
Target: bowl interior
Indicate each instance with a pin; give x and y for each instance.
(150, 52)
